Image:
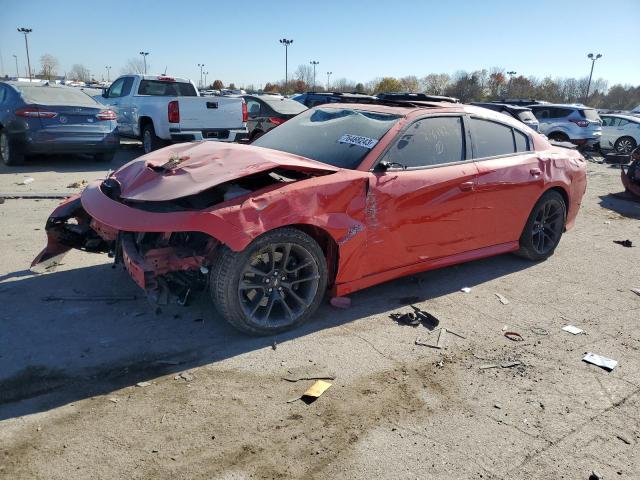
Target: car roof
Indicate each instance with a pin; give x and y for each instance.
(621, 115)
(519, 108)
(576, 106)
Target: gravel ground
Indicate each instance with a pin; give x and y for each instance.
(70, 406)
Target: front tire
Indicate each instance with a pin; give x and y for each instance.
(150, 141)
(273, 285)
(625, 145)
(8, 153)
(544, 227)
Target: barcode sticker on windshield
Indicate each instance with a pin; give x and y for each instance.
(358, 140)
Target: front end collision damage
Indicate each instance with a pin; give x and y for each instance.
(166, 243)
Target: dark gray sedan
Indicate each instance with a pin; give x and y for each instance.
(38, 118)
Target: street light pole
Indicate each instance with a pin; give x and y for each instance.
(26, 31)
(328, 76)
(205, 78)
(314, 63)
(17, 71)
(286, 43)
(593, 59)
(201, 65)
(144, 57)
(511, 74)
(108, 71)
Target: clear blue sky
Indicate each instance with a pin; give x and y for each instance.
(357, 40)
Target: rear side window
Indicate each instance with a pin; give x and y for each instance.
(522, 141)
(163, 88)
(429, 142)
(50, 95)
(491, 139)
(526, 116)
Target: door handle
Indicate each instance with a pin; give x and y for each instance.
(466, 186)
(535, 172)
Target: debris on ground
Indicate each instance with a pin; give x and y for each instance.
(623, 438)
(274, 345)
(539, 331)
(317, 389)
(26, 181)
(340, 302)
(510, 364)
(595, 476)
(306, 373)
(113, 399)
(514, 336)
(186, 376)
(465, 289)
(93, 298)
(1, 200)
(442, 338)
(487, 366)
(80, 184)
(415, 318)
(497, 405)
(636, 291)
(502, 298)
(573, 330)
(602, 362)
(143, 384)
(624, 243)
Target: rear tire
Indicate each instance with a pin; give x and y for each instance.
(544, 227)
(625, 145)
(150, 141)
(256, 135)
(8, 153)
(273, 285)
(559, 137)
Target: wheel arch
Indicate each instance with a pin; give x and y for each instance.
(327, 244)
(143, 121)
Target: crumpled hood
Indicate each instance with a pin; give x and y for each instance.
(190, 168)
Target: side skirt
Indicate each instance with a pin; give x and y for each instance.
(370, 280)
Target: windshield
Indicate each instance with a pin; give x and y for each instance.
(339, 137)
(164, 88)
(49, 95)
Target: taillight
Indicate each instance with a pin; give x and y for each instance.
(106, 115)
(174, 112)
(581, 123)
(34, 112)
(276, 120)
(245, 114)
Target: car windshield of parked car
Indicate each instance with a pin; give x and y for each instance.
(48, 95)
(164, 88)
(285, 105)
(338, 136)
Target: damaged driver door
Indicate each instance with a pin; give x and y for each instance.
(421, 195)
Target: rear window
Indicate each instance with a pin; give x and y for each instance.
(338, 137)
(50, 95)
(590, 114)
(285, 105)
(163, 88)
(526, 116)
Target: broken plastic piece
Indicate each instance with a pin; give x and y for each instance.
(572, 329)
(515, 336)
(316, 389)
(26, 181)
(603, 362)
(465, 289)
(340, 302)
(636, 291)
(502, 298)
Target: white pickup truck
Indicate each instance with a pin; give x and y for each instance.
(161, 109)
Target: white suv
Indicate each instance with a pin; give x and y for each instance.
(569, 123)
(620, 133)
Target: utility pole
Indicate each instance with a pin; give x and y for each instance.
(328, 77)
(511, 74)
(26, 31)
(314, 63)
(144, 57)
(201, 65)
(593, 59)
(108, 71)
(286, 44)
(17, 71)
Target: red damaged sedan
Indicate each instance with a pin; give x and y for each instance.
(339, 198)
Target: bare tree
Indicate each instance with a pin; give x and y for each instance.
(134, 65)
(436, 83)
(410, 84)
(304, 73)
(49, 66)
(79, 72)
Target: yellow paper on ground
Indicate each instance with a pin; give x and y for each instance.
(317, 389)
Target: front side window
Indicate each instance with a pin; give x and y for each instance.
(491, 139)
(341, 137)
(429, 142)
(116, 89)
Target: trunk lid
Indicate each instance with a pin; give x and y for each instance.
(190, 168)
